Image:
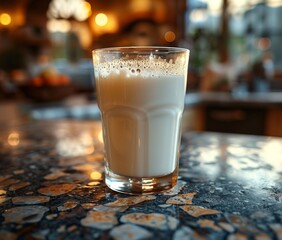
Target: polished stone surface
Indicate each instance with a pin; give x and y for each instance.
(51, 187)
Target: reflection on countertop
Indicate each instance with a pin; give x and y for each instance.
(51, 187)
(85, 111)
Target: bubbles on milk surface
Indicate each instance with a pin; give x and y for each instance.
(143, 68)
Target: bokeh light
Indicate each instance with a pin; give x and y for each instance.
(95, 175)
(5, 19)
(14, 139)
(101, 19)
(169, 36)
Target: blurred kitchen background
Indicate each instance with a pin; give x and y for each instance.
(235, 69)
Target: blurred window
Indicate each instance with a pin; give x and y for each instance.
(254, 28)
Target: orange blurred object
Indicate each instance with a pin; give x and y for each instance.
(64, 80)
(37, 81)
(52, 81)
(55, 80)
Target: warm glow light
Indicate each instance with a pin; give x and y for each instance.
(79, 9)
(169, 36)
(141, 5)
(14, 139)
(84, 12)
(112, 24)
(93, 183)
(101, 19)
(87, 7)
(96, 175)
(5, 19)
(104, 23)
(54, 25)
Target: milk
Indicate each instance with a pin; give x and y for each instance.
(141, 113)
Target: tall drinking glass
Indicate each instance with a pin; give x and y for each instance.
(140, 93)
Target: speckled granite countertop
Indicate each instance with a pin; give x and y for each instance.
(51, 187)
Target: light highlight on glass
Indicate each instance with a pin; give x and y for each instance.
(100, 136)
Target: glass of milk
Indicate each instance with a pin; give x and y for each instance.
(140, 92)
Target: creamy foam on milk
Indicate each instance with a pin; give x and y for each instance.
(141, 103)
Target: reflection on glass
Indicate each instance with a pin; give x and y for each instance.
(100, 136)
(14, 139)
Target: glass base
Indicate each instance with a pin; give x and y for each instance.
(136, 186)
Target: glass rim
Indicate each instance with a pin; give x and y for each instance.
(143, 49)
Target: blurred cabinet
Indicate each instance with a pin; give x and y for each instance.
(235, 120)
(255, 119)
(274, 122)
